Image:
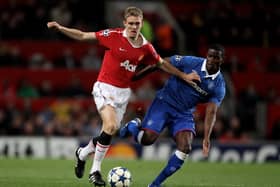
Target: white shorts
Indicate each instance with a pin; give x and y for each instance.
(106, 94)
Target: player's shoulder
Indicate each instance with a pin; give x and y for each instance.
(221, 76)
(195, 58)
(220, 80)
(117, 30)
(149, 48)
(148, 45)
(187, 58)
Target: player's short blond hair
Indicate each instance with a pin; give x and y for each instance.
(132, 11)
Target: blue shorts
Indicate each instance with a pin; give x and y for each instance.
(160, 115)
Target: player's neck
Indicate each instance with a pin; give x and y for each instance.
(212, 71)
(136, 41)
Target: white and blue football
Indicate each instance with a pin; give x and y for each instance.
(119, 177)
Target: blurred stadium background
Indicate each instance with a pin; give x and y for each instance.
(46, 107)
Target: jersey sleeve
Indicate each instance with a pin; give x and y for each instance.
(153, 57)
(219, 93)
(105, 37)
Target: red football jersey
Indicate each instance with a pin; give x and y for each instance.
(122, 58)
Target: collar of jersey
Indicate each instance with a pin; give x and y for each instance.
(203, 68)
(144, 39)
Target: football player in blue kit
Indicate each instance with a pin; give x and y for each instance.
(174, 105)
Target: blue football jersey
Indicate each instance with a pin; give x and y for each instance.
(184, 96)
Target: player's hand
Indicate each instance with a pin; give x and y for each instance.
(206, 147)
(53, 25)
(192, 78)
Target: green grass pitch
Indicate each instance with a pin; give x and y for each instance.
(60, 173)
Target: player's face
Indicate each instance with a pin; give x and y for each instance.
(214, 60)
(133, 25)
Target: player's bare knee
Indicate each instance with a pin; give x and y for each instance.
(111, 129)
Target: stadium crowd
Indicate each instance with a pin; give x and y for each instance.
(231, 23)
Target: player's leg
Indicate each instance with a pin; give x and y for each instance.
(131, 127)
(183, 141)
(81, 156)
(111, 104)
(110, 126)
(182, 129)
(82, 152)
(111, 117)
(88, 149)
(141, 136)
(148, 131)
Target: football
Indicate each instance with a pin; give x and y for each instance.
(119, 177)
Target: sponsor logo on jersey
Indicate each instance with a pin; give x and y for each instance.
(128, 66)
(199, 90)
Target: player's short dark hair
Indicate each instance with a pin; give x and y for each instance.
(218, 47)
(132, 11)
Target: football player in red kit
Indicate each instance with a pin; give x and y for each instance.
(126, 49)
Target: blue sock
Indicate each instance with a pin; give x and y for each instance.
(172, 166)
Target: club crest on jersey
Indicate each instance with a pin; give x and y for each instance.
(128, 67)
(106, 32)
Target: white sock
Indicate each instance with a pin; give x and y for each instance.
(181, 155)
(85, 151)
(100, 152)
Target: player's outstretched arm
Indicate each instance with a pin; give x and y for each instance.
(190, 78)
(210, 118)
(71, 32)
(166, 66)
